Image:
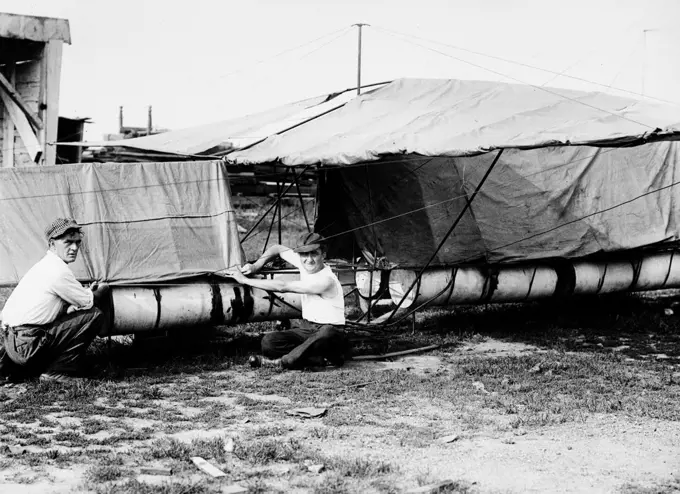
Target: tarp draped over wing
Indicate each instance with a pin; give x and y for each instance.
(434, 117)
(536, 204)
(219, 138)
(143, 222)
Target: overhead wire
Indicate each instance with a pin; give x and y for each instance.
(522, 64)
(541, 88)
(281, 53)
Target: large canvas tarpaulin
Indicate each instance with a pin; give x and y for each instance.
(219, 138)
(440, 117)
(143, 222)
(557, 202)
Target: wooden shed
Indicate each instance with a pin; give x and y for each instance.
(30, 71)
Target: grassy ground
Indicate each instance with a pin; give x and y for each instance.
(197, 397)
(564, 383)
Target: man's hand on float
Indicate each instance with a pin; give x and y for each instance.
(236, 274)
(249, 268)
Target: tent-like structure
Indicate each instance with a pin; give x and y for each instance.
(146, 222)
(565, 173)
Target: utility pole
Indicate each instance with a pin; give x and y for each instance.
(644, 57)
(359, 25)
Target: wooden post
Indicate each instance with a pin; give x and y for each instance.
(50, 99)
(8, 123)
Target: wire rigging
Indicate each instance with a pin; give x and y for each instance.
(522, 64)
(555, 93)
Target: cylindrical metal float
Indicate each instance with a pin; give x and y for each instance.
(147, 308)
(371, 287)
(490, 284)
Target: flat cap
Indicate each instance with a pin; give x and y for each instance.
(309, 242)
(60, 226)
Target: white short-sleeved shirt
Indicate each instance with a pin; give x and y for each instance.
(327, 308)
(45, 291)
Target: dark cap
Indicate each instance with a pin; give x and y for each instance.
(309, 242)
(60, 226)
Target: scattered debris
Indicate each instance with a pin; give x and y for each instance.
(396, 354)
(479, 386)
(234, 489)
(443, 486)
(308, 413)
(229, 445)
(316, 468)
(449, 439)
(207, 467)
(156, 471)
(245, 421)
(17, 450)
(508, 440)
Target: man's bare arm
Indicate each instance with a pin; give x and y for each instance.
(311, 287)
(270, 253)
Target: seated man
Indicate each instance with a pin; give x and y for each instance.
(50, 319)
(320, 333)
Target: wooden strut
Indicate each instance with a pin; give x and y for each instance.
(467, 206)
(271, 225)
(302, 203)
(375, 247)
(252, 228)
(16, 97)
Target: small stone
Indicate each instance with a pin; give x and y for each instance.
(229, 445)
(479, 386)
(536, 368)
(508, 440)
(17, 450)
(316, 468)
(668, 312)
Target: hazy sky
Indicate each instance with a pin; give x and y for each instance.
(200, 61)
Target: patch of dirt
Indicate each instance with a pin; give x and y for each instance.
(602, 453)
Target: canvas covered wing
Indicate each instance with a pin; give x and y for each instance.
(561, 202)
(438, 117)
(142, 222)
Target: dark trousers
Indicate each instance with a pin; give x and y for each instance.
(56, 347)
(304, 343)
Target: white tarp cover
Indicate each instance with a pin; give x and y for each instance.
(143, 222)
(442, 117)
(220, 137)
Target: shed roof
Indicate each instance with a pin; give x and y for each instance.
(34, 28)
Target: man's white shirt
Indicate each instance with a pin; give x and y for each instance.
(45, 291)
(327, 308)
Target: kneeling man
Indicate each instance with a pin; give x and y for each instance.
(50, 319)
(320, 334)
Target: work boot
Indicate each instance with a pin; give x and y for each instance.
(259, 361)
